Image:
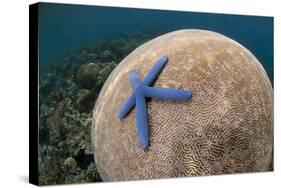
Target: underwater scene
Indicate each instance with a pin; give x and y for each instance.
(79, 47)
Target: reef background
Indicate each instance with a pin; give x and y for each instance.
(68, 91)
(79, 46)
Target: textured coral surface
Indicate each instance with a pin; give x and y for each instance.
(227, 126)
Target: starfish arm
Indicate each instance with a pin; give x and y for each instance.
(127, 106)
(142, 121)
(166, 93)
(155, 70)
(135, 81)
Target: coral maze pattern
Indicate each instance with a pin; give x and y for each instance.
(225, 128)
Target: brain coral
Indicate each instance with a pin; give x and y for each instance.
(227, 126)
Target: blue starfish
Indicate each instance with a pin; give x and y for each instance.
(143, 91)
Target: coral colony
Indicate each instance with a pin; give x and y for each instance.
(142, 91)
(68, 90)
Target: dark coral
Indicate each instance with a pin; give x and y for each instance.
(67, 94)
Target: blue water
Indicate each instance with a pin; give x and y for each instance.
(63, 27)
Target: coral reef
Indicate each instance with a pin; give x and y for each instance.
(68, 90)
(226, 127)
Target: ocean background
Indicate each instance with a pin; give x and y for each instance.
(63, 27)
(80, 45)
